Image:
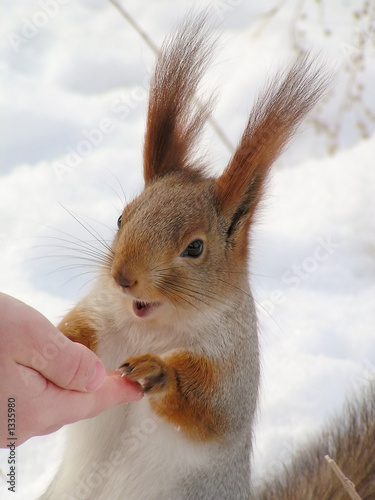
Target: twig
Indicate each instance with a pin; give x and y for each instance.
(136, 26)
(266, 18)
(219, 131)
(348, 485)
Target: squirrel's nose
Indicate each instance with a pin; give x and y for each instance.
(124, 280)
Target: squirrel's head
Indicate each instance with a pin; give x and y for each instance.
(168, 247)
(184, 240)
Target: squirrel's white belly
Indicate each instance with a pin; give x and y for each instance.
(125, 453)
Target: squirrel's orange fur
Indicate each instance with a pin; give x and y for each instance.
(77, 327)
(179, 391)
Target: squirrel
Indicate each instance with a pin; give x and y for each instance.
(172, 306)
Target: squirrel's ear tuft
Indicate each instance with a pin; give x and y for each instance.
(275, 116)
(174, 118)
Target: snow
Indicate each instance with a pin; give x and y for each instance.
(73, 94)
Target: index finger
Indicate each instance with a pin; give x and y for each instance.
(72, 406)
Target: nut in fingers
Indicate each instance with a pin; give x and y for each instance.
(149, 370)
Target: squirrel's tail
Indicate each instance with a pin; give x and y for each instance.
(350, 442)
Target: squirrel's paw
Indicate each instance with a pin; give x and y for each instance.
(149, 370)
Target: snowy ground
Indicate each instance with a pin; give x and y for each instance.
(73, 87)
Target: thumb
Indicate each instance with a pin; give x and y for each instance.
(75, 367)
(35, 342)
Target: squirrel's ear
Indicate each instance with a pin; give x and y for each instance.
(174, 120)
(272, 122)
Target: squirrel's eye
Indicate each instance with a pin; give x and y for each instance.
(194, 249)
(119, 221)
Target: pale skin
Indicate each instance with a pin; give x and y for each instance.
(54, 381)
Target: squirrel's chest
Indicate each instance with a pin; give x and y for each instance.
(118, 341)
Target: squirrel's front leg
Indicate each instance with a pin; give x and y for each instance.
(77, 327)
(180, 385)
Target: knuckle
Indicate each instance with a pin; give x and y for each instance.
(78, 370)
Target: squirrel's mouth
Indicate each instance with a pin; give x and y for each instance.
(142, 308)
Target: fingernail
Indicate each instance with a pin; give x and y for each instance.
(98, 377)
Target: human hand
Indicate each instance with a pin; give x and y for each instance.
(54, 381)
